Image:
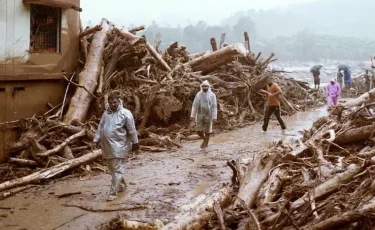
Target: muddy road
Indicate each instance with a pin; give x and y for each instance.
(158, 183)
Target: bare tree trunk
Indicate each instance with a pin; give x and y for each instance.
(366, 97)
(256, 175)
(213, 44)
(80, 102)
(220, 57)
(195, 214)
(355, 135)
(50, 172)
(222, 40)
(247, 42)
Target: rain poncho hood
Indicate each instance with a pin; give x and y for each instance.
(205, 104)
(116, 129)
(333, 90)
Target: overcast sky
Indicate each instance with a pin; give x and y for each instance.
(171, 12)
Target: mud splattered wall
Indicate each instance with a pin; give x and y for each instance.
(15, 54)
(31, 80)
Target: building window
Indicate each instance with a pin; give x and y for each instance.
(45, 29)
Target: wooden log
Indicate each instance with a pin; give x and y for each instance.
(220, 216)
(247, 42)
(266, 61)
(158, 57)
(80, 102)
(136, 224)
(150, 101)
(215, 59)
(195, 215)
(355, 135)
(329, 186)
(71, 129)
(254, 178)
(23, 162)
(271, 188)
(90, 31)
(213, 44)
(344, 219)
(62, 145)
(83, 43)
(136, 29)
(364, 98)
(50, 172)
(133, 39)
(222, 40)
(111, 67)
(55, 3)
(67, 153)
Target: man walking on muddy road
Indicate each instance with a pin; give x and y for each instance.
(273, 105)
(116, 129)
(204, 112)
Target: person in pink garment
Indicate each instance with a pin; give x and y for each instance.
(333, 92)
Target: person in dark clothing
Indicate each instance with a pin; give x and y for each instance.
(273, 105)
(316, 75)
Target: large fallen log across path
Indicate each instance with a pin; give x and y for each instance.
(50, 172)
(80, 102)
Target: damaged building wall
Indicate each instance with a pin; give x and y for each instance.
(31, 78)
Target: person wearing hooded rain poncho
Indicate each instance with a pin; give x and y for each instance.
(116, 130)
(204, 111)
(333, 90)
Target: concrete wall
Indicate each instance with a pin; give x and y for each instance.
(28, 81)
(15, 58)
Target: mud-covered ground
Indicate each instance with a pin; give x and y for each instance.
(158, 183)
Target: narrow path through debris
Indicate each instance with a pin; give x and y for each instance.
(158, 183)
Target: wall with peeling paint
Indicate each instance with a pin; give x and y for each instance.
(15, 58)
(28, 81)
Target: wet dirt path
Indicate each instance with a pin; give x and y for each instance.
(158, 183)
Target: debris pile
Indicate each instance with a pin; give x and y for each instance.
(323, 181)
(158, 87)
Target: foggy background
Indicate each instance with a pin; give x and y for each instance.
(295, 30)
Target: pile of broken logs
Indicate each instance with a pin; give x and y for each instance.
(323, 181)
(158, 87)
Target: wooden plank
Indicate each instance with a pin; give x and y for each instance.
(55, 3)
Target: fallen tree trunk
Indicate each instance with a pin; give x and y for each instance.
(50, 172)
(63, 145)
(355, 135)
(328, 186)
(255, 176)
(158, 57)
(80, 102)
(196, 215)
(215, 59)
(345, 218)
(364, 98)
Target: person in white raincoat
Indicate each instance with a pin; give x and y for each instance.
(116, 129)
(204, 111)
